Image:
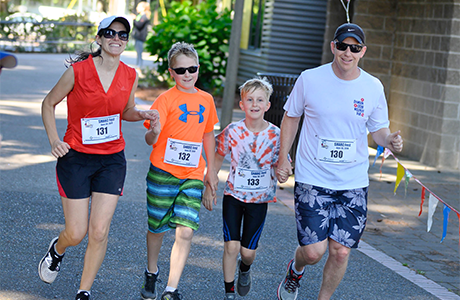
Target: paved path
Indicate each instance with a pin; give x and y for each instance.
(31, 215)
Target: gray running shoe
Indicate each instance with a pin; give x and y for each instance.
(230, 296)
(149, 291)
(243, 283)
(171, 295)
(289, 287)
(50, 264)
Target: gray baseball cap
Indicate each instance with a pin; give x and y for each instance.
(109, 20)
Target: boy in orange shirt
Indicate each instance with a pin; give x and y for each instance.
(175, 179)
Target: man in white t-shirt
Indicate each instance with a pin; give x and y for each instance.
(340, 103)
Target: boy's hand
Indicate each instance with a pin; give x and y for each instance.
(151, 114)
(208, 197)
(211, 180)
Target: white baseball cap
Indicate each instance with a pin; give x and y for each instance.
(109, 20)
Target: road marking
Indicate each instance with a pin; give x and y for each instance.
(423, 282)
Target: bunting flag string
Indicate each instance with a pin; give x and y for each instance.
(433, 200)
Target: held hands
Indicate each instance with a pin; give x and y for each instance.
(284, 170)
(59, 148)
(209, 197)
(210, 194)
(154, 117)
(395, 141)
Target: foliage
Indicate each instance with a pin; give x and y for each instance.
(204, 27)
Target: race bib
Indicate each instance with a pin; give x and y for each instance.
(100, 130)
(182, 153)
(252, 180)
(336, 151)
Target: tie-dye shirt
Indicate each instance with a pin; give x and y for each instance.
(254, 156)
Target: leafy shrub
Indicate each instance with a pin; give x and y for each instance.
(202, 26)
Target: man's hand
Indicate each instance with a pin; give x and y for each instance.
(395, 141)
(284, 170)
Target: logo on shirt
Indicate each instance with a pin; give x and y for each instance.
(358, 106)
(186, 113)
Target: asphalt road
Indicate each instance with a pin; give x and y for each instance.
(31, 214)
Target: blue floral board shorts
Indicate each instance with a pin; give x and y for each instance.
(324, 213)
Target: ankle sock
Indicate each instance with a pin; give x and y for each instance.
(244, 267)
(295, 271)
(170, 289)
(229, 286)
(148, 271)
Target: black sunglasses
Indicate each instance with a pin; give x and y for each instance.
(110, 34)
(181, 71)
(353, 48)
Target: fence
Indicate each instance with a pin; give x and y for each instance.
(46, 36)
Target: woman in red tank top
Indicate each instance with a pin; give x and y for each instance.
(91, 163)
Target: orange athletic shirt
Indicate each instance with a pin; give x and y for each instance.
(88, 100)
(186, 117)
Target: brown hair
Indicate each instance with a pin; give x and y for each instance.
(181, 48)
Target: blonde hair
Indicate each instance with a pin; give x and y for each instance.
(181, 48)
(256, 83)
(144, 7)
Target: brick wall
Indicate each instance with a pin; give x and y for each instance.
(414, 48)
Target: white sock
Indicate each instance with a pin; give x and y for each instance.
(295, 271)
(148, 271)
(170, 289)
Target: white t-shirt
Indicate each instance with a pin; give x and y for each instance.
(333, 149)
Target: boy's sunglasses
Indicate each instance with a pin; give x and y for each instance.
(181, 71)
(110, 34)
(353, 48)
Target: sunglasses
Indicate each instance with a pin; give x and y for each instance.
(181, 71)
(110, 34)
(353, 48)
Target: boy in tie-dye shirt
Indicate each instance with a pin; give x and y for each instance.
(253, 145)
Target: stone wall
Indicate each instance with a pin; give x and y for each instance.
(414, 48)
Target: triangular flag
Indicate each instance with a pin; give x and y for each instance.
(458, 216)
(379, 151)
(423, 200)
(399, 176)
(386, 153)
(408, 177)
(432, 203)
(445, 212)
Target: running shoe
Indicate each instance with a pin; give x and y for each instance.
(83, 295)
(289, 287)
(243, 283)
(171, 295)
(230, 296)
(149, 291)
(50, 264)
